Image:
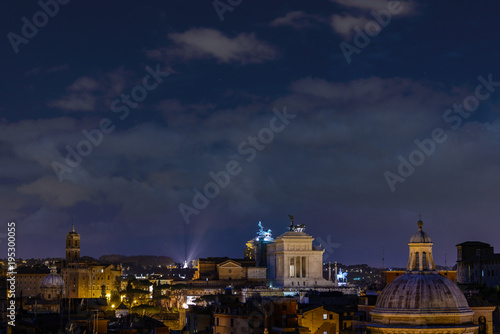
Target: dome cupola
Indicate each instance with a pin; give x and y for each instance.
(53, 280)
(422, 300)
(420, 251)
(52, 285)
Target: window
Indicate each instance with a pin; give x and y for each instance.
(417, 261)
(217, 321)
(230, 270)
(331, 316)
(424, 260)
(232, 322)
(292, 267)
(303, 266)
(325, 316)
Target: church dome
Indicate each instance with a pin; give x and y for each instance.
(422, 300)
(420, 236)
(53, 280)
(425, 293)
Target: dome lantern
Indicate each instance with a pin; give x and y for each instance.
(420, 258)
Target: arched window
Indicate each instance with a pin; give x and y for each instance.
(417, 261)
(424, 260)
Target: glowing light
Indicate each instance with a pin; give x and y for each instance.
(112, 305)
(264, 235)
(342, 277)
(185, 264)
(185, 306)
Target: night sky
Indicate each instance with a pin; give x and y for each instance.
(355, 116)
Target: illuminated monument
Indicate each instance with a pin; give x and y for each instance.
(421, 300)
(293, 262)
(260, 243)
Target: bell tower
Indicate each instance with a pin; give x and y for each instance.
(72, 246)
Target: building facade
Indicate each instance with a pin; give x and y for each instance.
(224, 268)
(477, 264)
(90, 280)
(29, 281)
(319, 320)
(293, 261)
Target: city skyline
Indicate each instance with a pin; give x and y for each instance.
(173, 129)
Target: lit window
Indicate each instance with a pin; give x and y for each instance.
(325, 317)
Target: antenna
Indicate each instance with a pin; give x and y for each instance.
(383, 258)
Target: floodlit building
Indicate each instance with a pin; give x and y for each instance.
(421, 300)
(226, 269)
(319, 320)
(293, 261)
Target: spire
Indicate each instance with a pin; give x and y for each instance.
(420, 222)
(73, 229)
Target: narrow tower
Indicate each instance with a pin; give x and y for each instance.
(72, 246)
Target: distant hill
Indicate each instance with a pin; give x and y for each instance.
(137, 260)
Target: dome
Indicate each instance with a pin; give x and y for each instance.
(421, 294)
(420, 237)
(53, 280)
(422, 300)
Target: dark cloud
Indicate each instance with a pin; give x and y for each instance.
(326, 166)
